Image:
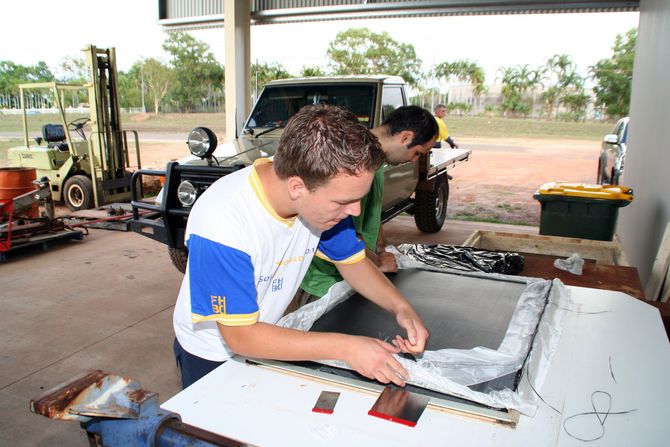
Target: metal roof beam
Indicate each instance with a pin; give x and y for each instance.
(185, 14)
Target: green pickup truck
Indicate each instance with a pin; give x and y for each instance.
(420, 188)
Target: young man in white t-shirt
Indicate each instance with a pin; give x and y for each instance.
(251, 237)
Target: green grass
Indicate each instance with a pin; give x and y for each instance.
(11, 142)
(459, 126)
(496, 127)
(13, 123)
(175, 122)
(168, 122)
(6, 144)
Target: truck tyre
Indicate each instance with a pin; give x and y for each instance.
(178, 256)
(599, 178)
(430, 207)
(78, 193)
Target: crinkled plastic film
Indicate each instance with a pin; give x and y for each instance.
(464, 259)
(574, 264)
(534, 327)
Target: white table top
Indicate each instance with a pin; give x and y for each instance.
(620, 347)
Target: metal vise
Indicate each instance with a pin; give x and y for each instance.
(116, 411)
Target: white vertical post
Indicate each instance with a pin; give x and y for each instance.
(237, 19)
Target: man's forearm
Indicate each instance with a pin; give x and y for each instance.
(368, 356)
(265, 340)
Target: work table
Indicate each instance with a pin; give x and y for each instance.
(610, 342)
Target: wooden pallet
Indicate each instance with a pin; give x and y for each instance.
(41, 242)
(602, 252)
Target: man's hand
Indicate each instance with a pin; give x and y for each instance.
(417, 334)
(387, 262)
(452, 143)
(373, 359)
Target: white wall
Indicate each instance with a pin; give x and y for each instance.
(647, 166)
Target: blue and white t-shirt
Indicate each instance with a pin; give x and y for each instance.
(246, 262)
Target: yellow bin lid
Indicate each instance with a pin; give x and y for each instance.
(605, 192)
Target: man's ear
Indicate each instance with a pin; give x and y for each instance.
(406, 137)
(296, 187)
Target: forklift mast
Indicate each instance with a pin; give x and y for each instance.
(108, 140)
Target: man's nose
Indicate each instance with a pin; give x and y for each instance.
(353, 209)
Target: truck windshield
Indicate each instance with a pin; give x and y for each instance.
(277, 104)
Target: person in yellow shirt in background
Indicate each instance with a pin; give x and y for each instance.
(440, 112)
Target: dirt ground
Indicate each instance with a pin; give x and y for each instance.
(497, 183)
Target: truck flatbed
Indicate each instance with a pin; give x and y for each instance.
(443, 159)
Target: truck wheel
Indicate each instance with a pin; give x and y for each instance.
(178, 256)
(430, 207)
(599, 177)
(78, 193)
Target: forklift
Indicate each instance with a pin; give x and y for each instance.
(83, 171)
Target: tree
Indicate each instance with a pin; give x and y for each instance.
(427, 97)
(518, 87)
(464, 71)
(11, 75)
(614, 76)
(361, 51)
(130, 86)
(565, 88)
(312, 71)
(199, 77)
(263, 73)
(157, 77)
(576, 104)
(73, 69)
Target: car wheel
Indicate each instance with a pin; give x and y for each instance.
(78, 193)
(599, 175)
(430, 207)
(179, 257)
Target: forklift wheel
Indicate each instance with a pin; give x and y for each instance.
(78, 193)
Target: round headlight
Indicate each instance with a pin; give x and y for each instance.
(186, 193)
(202, 142)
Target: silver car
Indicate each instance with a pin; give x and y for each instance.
(613, 153)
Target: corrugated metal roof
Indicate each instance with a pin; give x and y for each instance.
(190, 14)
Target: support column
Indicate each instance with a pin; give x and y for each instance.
(237, 18)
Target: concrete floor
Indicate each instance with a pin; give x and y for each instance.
(105, 303)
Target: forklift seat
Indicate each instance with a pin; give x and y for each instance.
(54, 135)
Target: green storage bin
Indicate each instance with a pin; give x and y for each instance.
(581, 210)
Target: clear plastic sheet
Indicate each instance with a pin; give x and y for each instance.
(534, 326)
(573, 264)
(464, 259)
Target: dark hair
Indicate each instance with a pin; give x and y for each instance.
(414, 118)
(322, 141)
(439, 106)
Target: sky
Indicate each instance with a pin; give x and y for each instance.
(48, 30)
